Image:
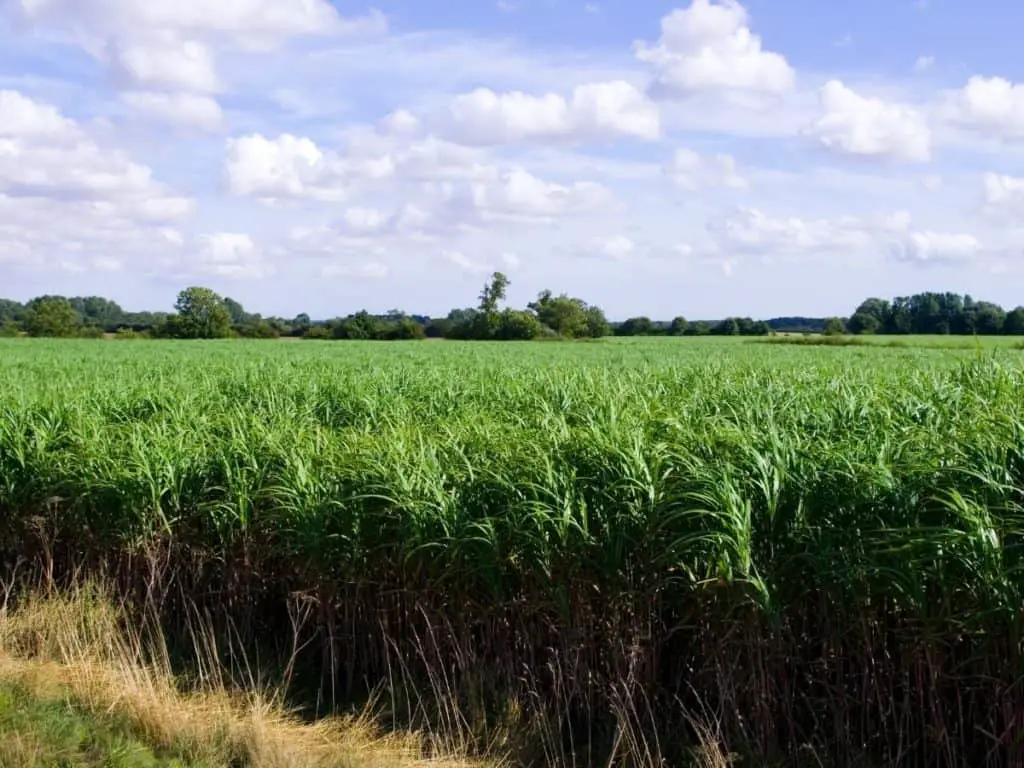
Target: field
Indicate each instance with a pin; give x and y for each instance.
(799, 555)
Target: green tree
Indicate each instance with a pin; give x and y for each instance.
(863, 322)
(678, 327)
(518, 325)
(238, 314)
(834, 326)
(597, 325)
(566, 316)
(636, 326)
(493, 292)
(989, 318)
(1014, 324)
(728, 327)
(202, 314)
(51, 316)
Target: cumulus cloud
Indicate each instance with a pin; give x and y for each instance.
(26, 118)
(232, 255)
(1003, 195)
(521, 194)
(465, 263)
(992, 106)
(750, 232)
(171, 47)
(616, 247)
(183, 109)
(593, 111)
(257, 21)
(936, 248)
(371, 270)
(708, 47)
(66, 199)
(859, 125)
(285, 167)
(165, 63)
(693, 171)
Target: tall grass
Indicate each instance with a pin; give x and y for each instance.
(807, 555)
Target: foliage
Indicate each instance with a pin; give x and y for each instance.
(51, 316)
(201, 314)
(796, 539)
(636, 326)
(933, 313)
(834, 326)
(678, 327)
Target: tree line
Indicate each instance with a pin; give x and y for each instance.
(201, 313)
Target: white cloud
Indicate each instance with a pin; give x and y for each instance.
(43, 154)
(936, 248)
(693, 171)
(232, 255)
(750, 232)
(285, 167)
(990, 105)
(860, 125)
(465, 263)
(401, 122)
(370, 270)
(1004, 195)
(165, 63)
(26, 118)
(593, 111)
(709, 46)
(924, 63)
(183, 109)
(365, 220)
(616, 247)
(521, 194)
(258, 21)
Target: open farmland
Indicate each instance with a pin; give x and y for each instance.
(803, 554)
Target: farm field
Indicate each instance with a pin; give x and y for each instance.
(791, 554)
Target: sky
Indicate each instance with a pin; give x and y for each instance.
(702, 158)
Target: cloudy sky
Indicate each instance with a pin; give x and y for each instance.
(703, 158)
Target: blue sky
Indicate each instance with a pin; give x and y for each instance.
(705, 157)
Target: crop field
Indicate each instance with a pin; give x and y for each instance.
(809, 555)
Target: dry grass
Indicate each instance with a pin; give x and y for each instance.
(80, 648)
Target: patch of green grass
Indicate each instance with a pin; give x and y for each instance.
(54, 733)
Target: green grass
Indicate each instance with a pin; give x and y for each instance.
(44, 733)
(616, 531)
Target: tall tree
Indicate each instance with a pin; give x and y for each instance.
(51, 316)
(202, 314)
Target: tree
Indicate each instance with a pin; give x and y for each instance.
(834, 326)
(597, 325)
(51, 316)
(678, 327)
(699, 328)
(989, 318)
(1014, 324)
(493, 292)
(566, 316)
(636, 326)
(862, 323)
(518, 325)
(238, 314)
(202, 314)
(728, 327)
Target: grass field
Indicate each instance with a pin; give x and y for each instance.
(803, 555)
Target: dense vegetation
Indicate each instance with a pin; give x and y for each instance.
(820, 550)
(199, 312)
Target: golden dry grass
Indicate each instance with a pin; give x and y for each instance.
(80, 648)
